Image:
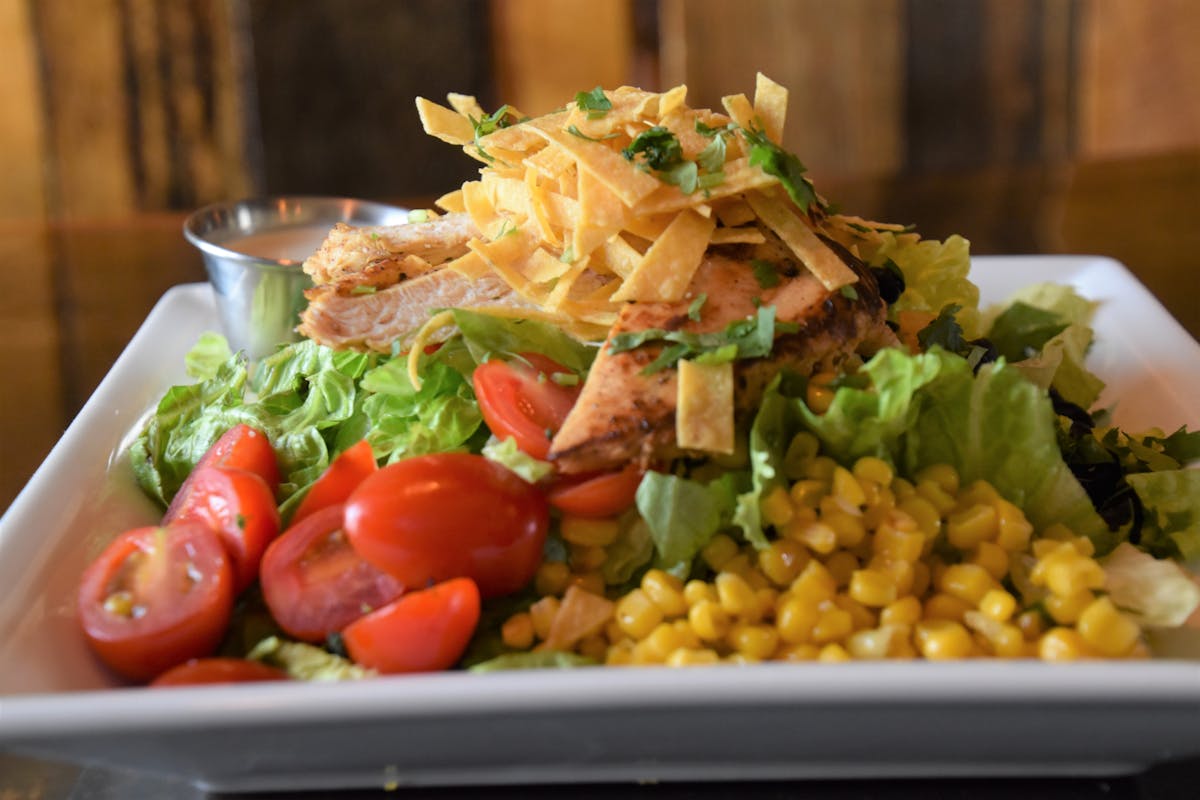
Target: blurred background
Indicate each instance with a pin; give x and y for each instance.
(1029, 126)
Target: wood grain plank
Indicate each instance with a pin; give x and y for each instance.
(546, 52)
(22, 192)
(842, 62)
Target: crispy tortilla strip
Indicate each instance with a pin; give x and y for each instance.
(737, 236)
(466, 105)
(621, 257)
(445, 124)
(543, 267)
(740, 177)
(734, 212)
(451, 202)
(606, 165)
(667, 267)
(822, 262)
(671, 99)
(601, 215)
(704, 408)
(739, 109)
(770, 106)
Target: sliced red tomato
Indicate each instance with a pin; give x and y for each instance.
(523, 401)
(603, 495)
(243, 447)
(450, 515)
(157, 597)
(218, 670)
(423, 631)
(239, 506)
(315, 584)
(348, 470)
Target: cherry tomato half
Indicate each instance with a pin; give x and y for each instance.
(240, 447)
(315, 584)
(218, 670)
(423, 631)
(523, 401)
(156, 597)
(348, 470)
(603, 495)
(239, 506)
(450, 515)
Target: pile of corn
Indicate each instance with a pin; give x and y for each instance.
(865, 565)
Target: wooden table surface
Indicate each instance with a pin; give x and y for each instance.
(78, 290)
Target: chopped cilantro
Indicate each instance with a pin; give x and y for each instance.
(363, 290)
(944, 331)
(241, 521)
(659, 148)
(750, 338)
(719, 356)
(710, 132)
(685, 175)
(491, 123)
(568, 255)
(594, 103)
(418, 215)
(375, 235)
(696, 305)
(574, 131)
(712, 157)
(565, 378)
(849, 292)
(765, 273)
(776, 161)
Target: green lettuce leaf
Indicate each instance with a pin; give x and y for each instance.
(935, 276)
(1172, 502)
(540, 660)
(683, 515)
(506, 453)
(1159, 593)
(487, 335)
(205, 358)
(306, 662)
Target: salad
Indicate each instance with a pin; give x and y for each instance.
(640, 395)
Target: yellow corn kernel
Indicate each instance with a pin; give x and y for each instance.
(666, 591)
(1043, 547)
(872, 587)
(736, 596)
(1008, 642)
(922, 578)
(898, 545)
(833, 653)
(798, 652)
(847, 488)
(708, 620)
(613, 632)
(1062, 644)
(849, 529)
(694, 591)
(753, 576)
(903, 489)
(932, 491)
(1012, 528)
(664, 639)
(768, 599)
(754, 641)
(861, 616)
(1107, 630)
(998, 605)
(940, 639)
(904, 611)
(816, 536)
(874, 643)
(585, 558)
(1067, 610)
(542, 614)
(686, 634)
(874, 469)
(980, 492)
(902, 573)
(808, 492)
(637, 614)
(992, 557)
(841, 566)
(517, 631)
(923, 512)
(689, 657)
(944, 475)
(588, 532)
(1031, 624)
(552, 578)
(818, 395)
(588, 581)
(814, 584)
(969, 582)
(718, 551)
(820, 468)
(776, 507)
(1067, 576)
(782, 561)
(967, 528)
(739, 659)
(594, 647)
(795, 619)
(946, 607)
(738, 565)
(644, 653)
(833, 624)
(1084, 545)
(1061, 533)
(620, 654)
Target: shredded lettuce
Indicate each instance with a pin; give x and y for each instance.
(539, 660)
(935, 276)
(683, 515)
(1171, 499)
(487, 335)
(306, 662)
(1156, 591)
(506, 453)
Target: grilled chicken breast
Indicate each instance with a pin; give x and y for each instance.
(624, 416)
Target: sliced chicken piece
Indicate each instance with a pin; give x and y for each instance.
(623, 416)
(350, 252)
(375, 320)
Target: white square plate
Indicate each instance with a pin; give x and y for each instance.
(762, 722)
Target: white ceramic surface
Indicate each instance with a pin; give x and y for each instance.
(766, 721)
